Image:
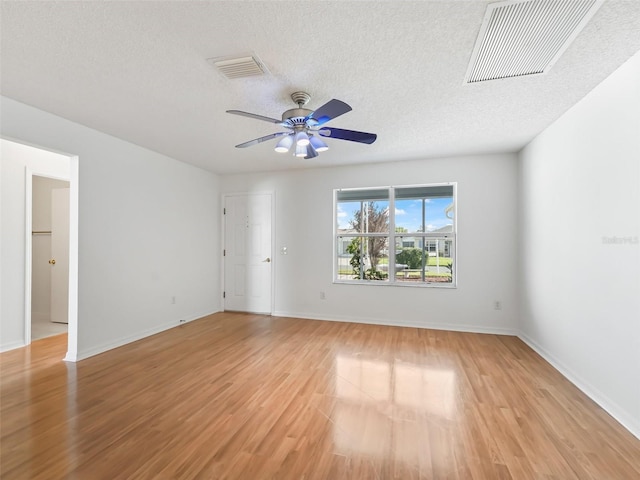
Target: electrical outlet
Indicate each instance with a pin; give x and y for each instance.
(322, 296)
(183, 321)
(497, 305)
(173, 300)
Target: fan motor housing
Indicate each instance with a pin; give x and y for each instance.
(295, 112)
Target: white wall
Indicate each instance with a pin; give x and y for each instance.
(148, 231)
(487, 245)
(41, 247)
(14, 161)
(580, 188)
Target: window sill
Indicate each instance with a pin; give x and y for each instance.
(450, 286)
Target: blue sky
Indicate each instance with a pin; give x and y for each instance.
(408, 213)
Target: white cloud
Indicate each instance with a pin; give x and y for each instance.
(399, 211)
(343, 223)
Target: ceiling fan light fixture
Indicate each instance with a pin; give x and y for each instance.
(301, 151)
(302, 139)
(301, 125)
(318, 144)
(284, 145)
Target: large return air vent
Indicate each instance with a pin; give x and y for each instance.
(526, 37)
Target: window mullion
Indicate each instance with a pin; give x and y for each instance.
(425, 260)
(363, 210)
(362, 254)
(391, 267)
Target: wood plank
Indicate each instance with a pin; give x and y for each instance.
(238, 395)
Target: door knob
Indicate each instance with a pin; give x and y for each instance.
(52, 261)
(268, 260)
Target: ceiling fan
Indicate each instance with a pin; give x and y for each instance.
(304, 127)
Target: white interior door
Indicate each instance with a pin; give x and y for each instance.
(59, 261)
(248, 253)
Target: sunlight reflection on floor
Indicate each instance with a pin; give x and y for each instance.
(382, 408)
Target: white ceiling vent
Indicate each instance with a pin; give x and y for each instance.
(241, 66)
(526, 37)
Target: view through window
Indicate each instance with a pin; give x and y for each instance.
(396, 235)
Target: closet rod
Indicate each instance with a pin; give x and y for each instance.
(41, 232)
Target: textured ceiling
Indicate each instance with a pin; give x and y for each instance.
(138, 70)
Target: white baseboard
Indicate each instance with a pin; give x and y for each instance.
(90, 352)
(11, 346)
(623, 417)
(394, 323)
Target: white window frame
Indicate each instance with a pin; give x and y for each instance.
(392, 235)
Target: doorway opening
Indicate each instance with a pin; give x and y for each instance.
(21, 164)
(49, 257)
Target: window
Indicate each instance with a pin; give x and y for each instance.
(396, 235)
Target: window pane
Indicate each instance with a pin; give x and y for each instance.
(362, 258)
(429, 214)
(409, 215)
(424, 260)
(363, 217)
(439, 214)
(375, 217)
(345, 213)
(348, 258)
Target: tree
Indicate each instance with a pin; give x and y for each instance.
(372, 218)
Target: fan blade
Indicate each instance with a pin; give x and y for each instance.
(330, 110)
(256, 141)
(253, 115)
(351, 135)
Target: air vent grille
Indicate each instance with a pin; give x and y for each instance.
(526, 37)
(238, 67)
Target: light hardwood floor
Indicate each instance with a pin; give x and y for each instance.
(43, 327)
(253, 397)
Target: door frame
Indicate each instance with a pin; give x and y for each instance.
(272, 194)
(72, 328)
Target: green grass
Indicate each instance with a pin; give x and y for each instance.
(432, 261)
